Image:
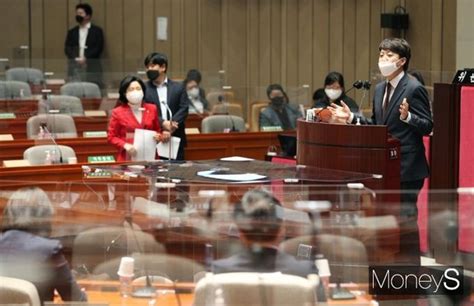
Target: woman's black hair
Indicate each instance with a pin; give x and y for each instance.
(125, 83)
(272, 87)
(333, 77)
(194, 75)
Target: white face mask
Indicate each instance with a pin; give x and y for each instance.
(388, 68)
(193, 92)
(333, 94)
(135, 97)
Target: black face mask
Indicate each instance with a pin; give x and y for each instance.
(152, 74)
(278, 101)
(79, 18)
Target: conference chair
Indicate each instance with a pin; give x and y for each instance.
(255, 110)
(250, 288)
(171, 267)
(81, 90)
(215, 97)
(347, 256)
(14, 90)
(68, 105)
(227, 109)
(59, 125)
(15, 291)
(37, 155)
(218, 123)
(103, 245)
(27, 75)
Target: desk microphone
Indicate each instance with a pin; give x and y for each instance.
(359, 84)
(47, 132)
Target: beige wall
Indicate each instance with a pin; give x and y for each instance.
(293, 42)
(465, 35)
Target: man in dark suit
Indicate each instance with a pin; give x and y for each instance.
(401, 103)
(168, 96)
(259, 218)
(83, 47)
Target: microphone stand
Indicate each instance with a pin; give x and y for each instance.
(221, 99)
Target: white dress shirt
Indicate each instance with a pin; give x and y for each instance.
(162, 91)
(83, 31)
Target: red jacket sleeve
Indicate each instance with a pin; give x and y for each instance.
(113, 133)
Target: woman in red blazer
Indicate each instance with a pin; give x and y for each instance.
(131, 114)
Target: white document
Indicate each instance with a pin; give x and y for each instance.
(243, 177)
(237, 158)
(163, 149)
(162, 28)
(145, 143)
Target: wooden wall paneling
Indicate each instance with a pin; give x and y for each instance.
(149, 28)
(362, 47)
(114, 38)
(18, 32)
(210, 46)
(132, 36)
(265, 43)
(163, 9)
(236, 48)
(71, 12)
(253, 60)
(321, 28)
(436, 40)
(37, 34)
(290, 43)
(190, 30)
(449, 40)
(55, 31)
(305, 50)
(98, 12)
(336, 35)
(275, 41)
(418, 36)
(176, 30)
(349, 45)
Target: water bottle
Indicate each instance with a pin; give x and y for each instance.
(48, 160)
(126, 286)
(54, 157)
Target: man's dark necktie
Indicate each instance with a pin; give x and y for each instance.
(386, 101)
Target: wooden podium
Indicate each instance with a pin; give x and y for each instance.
(358, 148)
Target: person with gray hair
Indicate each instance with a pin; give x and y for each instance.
(27, 253)
(259, 219)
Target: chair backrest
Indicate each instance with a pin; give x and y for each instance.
(37, 155)
(81, 90)
(68, 105)
(103, 244)
(17, 291)
(255, 115)
(254, 289)
(347, 256)
(218, 123)
(213, 97)
(14, 90)
(62, 126)
(172, 267)
(227, 109)
(27, 75)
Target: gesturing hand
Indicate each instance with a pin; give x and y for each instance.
(404, 109)
(340, 114)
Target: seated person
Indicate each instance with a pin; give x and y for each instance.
(197, 97)
(279, 113)
(334, 93)
(259, 221)
(318, 95)
(27, 253)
